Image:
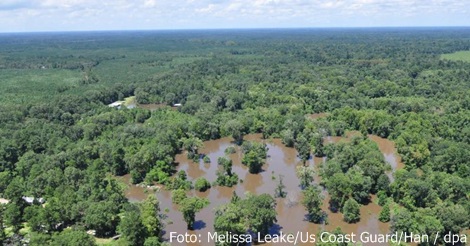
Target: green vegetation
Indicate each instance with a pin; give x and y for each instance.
(61, 142)
(191, 145)
(305, 175)
(351, 211)
(202, 184)
(189, 207)
(226, 177)
(352, 171)
(254, 155)
(230, 150)
(238, 216)
(132, 229)
(280, 188)
(385, 214)
(73, 238)
(177, 196)
(457, 56)
(150, 212)
(312, 202)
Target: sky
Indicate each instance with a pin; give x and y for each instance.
(79, 15)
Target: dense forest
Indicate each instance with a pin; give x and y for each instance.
(62, 148)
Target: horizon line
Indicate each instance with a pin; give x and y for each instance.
(232, 28)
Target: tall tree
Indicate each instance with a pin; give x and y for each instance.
(226, 164)
(254, 213)
(229, 218)
(150, 213)
(192, 145)
(312, 202)
(72, 238)
(351, 211)
(305, 174)
(189, 207)
(384, 215)
(2, 230)
(288, 138)
(303, 148)
(261, 212)
(235, 129)
(226, 177)
(317, 144)
(131, 227)
(13, 216)
(100, 216)
(253, 162)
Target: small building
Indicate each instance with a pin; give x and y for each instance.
(116, 104)
(4, 201)
(177, 105)
(30, 200)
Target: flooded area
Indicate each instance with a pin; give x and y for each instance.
(281, 161)
(386, 146)
(389, 151)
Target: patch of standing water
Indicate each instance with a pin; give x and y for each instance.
(281, 161)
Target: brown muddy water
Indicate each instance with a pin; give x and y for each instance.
(281, 161)
(389, 151)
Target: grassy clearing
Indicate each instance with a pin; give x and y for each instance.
(125, 71)
(15, 83)
(104, 241)
(457, 56)
(129, 101)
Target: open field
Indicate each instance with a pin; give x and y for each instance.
(457, 56)
(45, 83)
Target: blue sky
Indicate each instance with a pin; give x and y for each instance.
(73, 15)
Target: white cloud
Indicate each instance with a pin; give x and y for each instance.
(150, 3)
(17, 15)
(206, 10)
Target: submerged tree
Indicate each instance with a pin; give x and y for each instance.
(235, 129)
(226, 177)
(254, 213)
(226, 164)
(317, 144)
(305, 174)
(384, 215)
(351, 211)
(288, 138)
(312, 202)
(254, 156)
(253, 162)
(192, 145)
(303, 148)
(202, 184)
(150, 213)
(189, 207)
(280, 192)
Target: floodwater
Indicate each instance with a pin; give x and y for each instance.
(386, 146)
(389, 151)
(281, 161)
